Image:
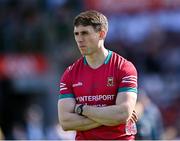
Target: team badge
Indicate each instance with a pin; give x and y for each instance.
(110, 82)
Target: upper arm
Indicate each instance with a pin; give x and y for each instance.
(65, 106)
(66, 102)
(127, 91)
(127, 99)
(128, 78)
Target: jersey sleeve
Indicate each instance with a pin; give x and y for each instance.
(128, 82)
(66, 85)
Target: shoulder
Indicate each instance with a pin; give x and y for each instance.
(123, 65)
(75, 65)
(120, 61)
(71, 70)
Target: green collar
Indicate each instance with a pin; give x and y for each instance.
(105, 61)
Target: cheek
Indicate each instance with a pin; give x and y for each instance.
(93, 40)
(75, 39)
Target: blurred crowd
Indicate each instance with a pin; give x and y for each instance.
(28, 101)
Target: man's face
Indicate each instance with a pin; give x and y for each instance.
(87, 39)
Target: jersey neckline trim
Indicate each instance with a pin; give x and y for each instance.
(108, 57)
(106, 61)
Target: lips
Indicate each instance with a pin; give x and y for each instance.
(82, 46)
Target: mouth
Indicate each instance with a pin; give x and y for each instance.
(82, 46)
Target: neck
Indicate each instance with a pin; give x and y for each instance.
(96, 59)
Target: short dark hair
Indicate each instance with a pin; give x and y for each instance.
(92, 18)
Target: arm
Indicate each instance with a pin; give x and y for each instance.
(125, 100)
(115, 114)
(72, 121)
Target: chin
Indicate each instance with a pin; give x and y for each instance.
(83, 52)
(86, 53)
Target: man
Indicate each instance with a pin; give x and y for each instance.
(98, 92)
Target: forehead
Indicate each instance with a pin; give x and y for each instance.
(82, 28)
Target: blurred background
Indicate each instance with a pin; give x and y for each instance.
(37, 44)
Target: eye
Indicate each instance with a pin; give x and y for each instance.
(76, 33)
(84, 33)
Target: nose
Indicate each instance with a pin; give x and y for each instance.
(79, 39)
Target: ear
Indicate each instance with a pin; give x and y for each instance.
(102, 34)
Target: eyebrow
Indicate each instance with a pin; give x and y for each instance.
(82, 32)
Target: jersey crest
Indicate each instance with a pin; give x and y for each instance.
(110, 81)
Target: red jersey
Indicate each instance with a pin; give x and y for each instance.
(99, 87)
